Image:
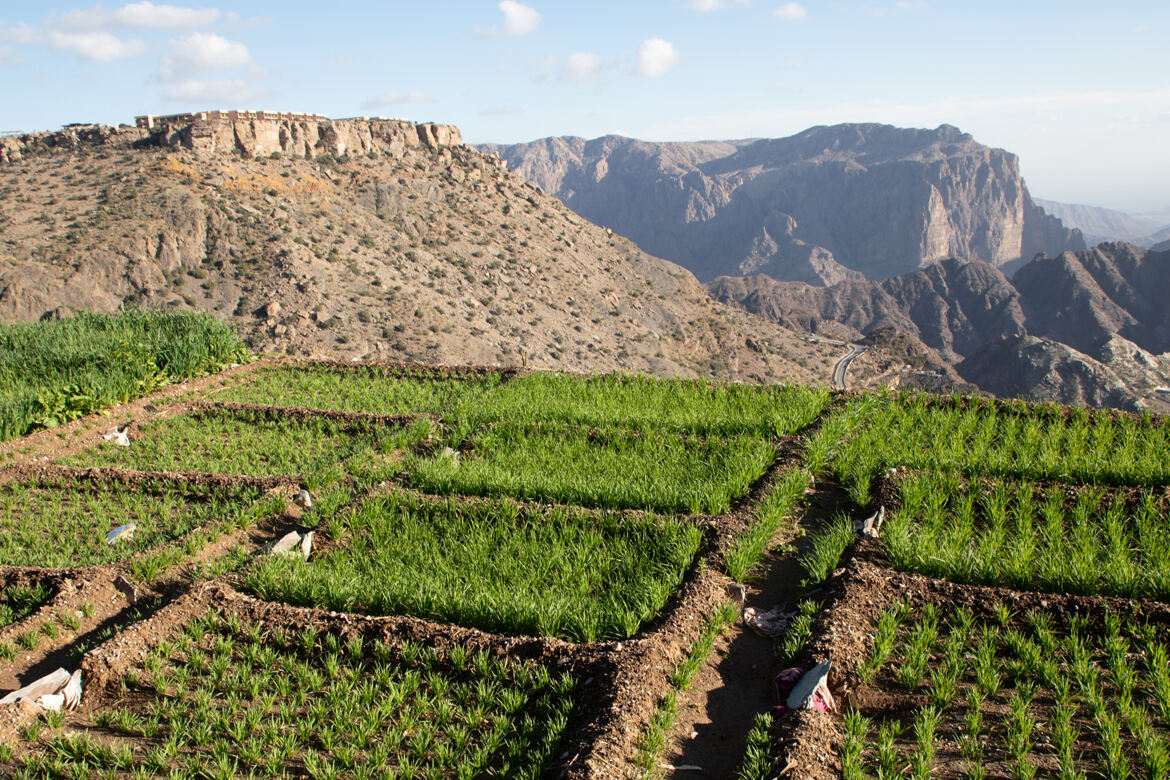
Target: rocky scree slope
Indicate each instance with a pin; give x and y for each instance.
(1087, 327)
(390, 240)
(854, 201)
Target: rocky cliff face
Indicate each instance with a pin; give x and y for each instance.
(247, 137)
(827, 205)
(349, 238)
(1086, 327)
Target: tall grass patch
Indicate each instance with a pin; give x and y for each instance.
(646, 403)
(50, 525)
(492, 565)
(228, 698)
(1088, 540)
(613, 469)
(357, 389)
(55, 371)
(234, 443)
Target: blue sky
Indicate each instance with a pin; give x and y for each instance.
(1080, 90)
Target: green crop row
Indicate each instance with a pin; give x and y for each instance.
(607, 401)
(490, 565)
(1080, 448)
(234, 443)
(616, 469)
(1088, 541)
(1016, 692)
(357, 389)
(230, 699)
(55, 371)
(53, 525)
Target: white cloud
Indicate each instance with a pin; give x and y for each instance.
(909, 5)
(791, 12)
(581, 66)
(222, 91)
(8, 56)
(198, 52)
(715, 5)
(95, 45)
(141, 15)
(392, 98)
(519, 19)
(147, 15)
(656, 57)
(22, 33)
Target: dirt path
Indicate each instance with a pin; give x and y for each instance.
(736, 682)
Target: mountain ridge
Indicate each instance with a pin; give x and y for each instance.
(827, 204)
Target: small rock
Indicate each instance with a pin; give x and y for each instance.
(121, 532)
(127, 588)
(737, 591)
(304, 500)
(306, 545)
(286, 543)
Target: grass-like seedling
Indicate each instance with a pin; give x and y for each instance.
(492, 565)
(758, 763)
(1035, 693)
(235, 443)
(49, 524)
(643, 403)
(230, 699)
(55, 371)
(1088, 541)
(1082, 448)
(19, 601)
(746, 550)
(599, 468)
(828, 546)
(358, 389)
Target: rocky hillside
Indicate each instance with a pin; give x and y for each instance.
(1084, 327)
(356, 238)
(824, 206)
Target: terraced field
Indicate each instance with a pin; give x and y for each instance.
(515, 574)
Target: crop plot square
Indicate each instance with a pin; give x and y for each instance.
(956, 690)
(61, 523)
(230, 442)
(226, 697)
(1054, 537)
(491, 565)
(612, 469)
(359, 389)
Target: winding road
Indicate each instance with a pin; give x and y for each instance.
(842, 365)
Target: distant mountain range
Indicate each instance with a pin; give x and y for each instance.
(854, 201)
(1100, 224)
(897, 237)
